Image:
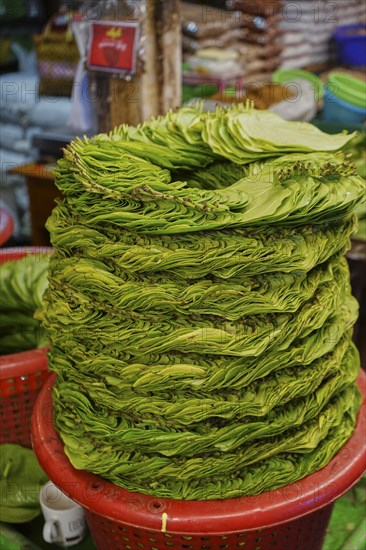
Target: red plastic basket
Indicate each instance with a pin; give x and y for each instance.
(6, 225)
(21, 376)
(294, 517)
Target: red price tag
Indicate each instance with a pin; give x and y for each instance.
(113, 46)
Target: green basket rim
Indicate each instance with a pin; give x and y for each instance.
(349, 88)
(282, 76)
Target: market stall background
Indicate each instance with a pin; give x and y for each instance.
(226, 52)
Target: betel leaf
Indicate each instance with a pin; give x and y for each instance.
(23, 283)
(21, 479)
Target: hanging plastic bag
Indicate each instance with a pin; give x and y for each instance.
(82, 113)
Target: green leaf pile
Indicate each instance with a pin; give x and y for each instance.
(356, 149)
(21, 479)
(23, 283)
(199, 303)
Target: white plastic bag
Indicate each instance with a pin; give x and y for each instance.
(82, 116)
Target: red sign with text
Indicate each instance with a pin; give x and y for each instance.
(113, 47)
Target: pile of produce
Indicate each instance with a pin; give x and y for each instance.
(357, 151)
(199, 303)
(23, 283)
(21, 479)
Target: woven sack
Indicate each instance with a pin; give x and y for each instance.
(57, 59)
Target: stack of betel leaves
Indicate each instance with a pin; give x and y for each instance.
(357, 152)
(23, 282)
(199, 304)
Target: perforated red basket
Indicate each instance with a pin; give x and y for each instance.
(21, 376)
(294, 517)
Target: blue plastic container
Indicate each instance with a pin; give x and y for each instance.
(337, 110)
(351, 44)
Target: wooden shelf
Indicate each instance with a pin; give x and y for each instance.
(42, 194)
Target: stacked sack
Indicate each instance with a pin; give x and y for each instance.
(302, 48)
(260, 44)
(207, 27)
(199, 303)
(245, 40)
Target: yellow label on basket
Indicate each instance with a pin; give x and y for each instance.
(164, 519)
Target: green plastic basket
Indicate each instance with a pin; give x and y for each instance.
(285, 76)
(348, 88)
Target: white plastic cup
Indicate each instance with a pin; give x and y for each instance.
(64, 519)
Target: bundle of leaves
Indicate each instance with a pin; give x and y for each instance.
(23, 283)
(199, 303)
(356, 150)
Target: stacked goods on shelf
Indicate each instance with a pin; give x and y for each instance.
(260, 47)
(215, 63)
(207, 27)
(260, 38)
(242, 42)
(210, 42)
(285, 25)
(302, 48)
(199, 303)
